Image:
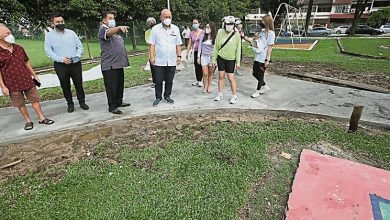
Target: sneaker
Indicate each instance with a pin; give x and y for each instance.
(156, 102)
(195, 83)
(152, 86)
(124, 104)
(256, 94)
(169, 100)
(218, 97)
(200, 84)
(233, 100)
(264, 89)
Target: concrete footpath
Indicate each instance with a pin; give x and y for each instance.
(285, 94)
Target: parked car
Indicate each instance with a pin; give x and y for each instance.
(341, 29)
(385, 28)
(364, 29)
(319, 32)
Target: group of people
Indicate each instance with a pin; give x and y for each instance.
(206, 49)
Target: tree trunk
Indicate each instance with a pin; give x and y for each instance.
(358, 14)
(133, 40)
(308, 15)
(355, 118)
(86, 41)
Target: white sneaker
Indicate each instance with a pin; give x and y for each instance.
(256, 94)
(233, 100)
(264, 89)
(200, 84)
(218, 97)
(195, 83)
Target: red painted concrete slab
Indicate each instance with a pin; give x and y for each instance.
(330, 188)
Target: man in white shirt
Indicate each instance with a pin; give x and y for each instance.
(165, 54)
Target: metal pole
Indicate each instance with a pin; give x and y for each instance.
(169, 6)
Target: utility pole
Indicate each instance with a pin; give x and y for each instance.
(308, 15)
(169, 6)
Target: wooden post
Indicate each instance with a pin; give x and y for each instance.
(355, 118)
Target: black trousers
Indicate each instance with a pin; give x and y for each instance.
(164, 73)
(258, 73)
(198, 68)
(114, 81)
(186, 40)
(153, 70)
(73, 71)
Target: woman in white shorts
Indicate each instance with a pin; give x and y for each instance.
(205, 55)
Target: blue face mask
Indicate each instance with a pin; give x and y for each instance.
(111, 23)
(195, 26)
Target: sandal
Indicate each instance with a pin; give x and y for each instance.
(46, 121)
(28, 126)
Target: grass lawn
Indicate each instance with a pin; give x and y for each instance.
(326, 51)
(133, 76)
(35, 51)
(366, 46)
(206, 173)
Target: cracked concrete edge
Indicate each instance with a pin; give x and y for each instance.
(267, 112)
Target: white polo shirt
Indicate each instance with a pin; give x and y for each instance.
(165, 41)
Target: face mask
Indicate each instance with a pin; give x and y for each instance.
(60, 27)
(167, 22)
(195, 26)
(208, 30)
(10, 39)
(111, 23)
(229, 28)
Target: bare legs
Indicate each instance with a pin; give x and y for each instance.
(37, 107)
(207, 77)
(232, 82)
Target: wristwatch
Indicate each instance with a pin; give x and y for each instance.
(179, 56)
(266, 60)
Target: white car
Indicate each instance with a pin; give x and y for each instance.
(341, 29)
(385, 28)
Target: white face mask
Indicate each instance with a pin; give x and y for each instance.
(167, 22)
(229, 28)
(10, 39)
(111, 23)
(208, 30)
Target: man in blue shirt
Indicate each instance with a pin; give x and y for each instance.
(65, 48)
(165, 54)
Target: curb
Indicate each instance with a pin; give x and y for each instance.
(279, 113)
(344, 82)
(343, 51)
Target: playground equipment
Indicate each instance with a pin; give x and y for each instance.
(286, 25)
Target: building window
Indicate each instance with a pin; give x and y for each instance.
(341, 9)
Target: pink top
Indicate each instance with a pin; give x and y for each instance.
(193, 36)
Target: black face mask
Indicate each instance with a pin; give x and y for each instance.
(60, 27)
(262, 25)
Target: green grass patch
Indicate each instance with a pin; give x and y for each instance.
(366, 46)
(190, 178)
(38, 58)
(133, 76)
(326, 51)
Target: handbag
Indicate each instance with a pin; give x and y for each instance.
(193, 51)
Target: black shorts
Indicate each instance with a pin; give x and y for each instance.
(258, 68)
(226, 65)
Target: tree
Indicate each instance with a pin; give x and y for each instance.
(360, 7)
(308, 15)
(380, 17)
(11, 11)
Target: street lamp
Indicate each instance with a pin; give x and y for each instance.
(169, 7)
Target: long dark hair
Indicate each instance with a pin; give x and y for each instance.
(213, 32)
